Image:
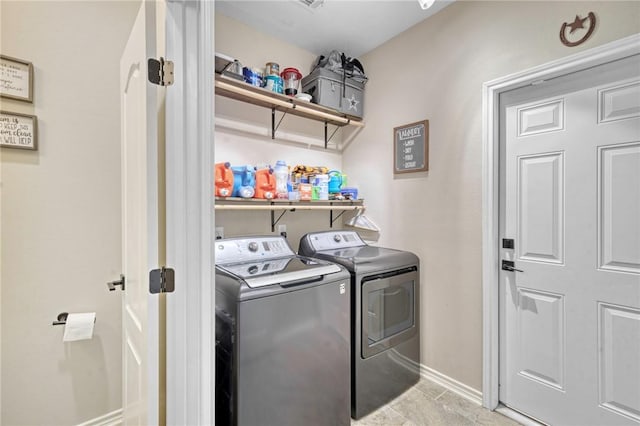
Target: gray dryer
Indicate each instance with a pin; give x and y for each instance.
(385, 315)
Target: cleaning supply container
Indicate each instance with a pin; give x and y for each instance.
(322, 182)
(273, 83)
(291, 78)
(253, 76)
(349, 193)
(244, 181)
(265, 184)
(281, 172)
(223, 179)
(271, 68)
(335, 181)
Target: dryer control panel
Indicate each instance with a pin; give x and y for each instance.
(331, 240)
(251, 249)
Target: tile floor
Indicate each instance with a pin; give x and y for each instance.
(428, 403)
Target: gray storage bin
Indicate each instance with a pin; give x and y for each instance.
(325, 87)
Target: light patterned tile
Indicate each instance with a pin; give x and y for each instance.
(427, 404)
(422, 410)
(429, 388)
(457, 403)
(473, 412)
(384, 416)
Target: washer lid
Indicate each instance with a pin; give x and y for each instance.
(284, 271)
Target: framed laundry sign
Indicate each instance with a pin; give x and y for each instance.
(16, 79)
(18, 130)
(411, 148)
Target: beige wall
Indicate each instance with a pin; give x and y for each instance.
(435, 71)
(61, 213)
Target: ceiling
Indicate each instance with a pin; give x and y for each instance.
(354, 27)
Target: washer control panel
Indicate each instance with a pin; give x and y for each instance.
(334, 240)
(251, 249)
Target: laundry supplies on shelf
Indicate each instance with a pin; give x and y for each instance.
(281, 172)
(281, 182)
(244, 181)
(223, 180)
(265, 184)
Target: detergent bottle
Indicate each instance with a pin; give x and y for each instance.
(243, 181)
(281, 172)
(335, 181)
(248, 188)
(223, 179)
(265, 184)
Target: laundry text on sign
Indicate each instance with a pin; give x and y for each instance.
(411, 147)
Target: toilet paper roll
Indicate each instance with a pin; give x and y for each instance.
(79, 327)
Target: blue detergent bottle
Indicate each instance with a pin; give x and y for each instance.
(244, 181)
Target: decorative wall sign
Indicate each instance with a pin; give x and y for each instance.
(578, 23)
(16, 79)
(411, 147)
(18, 130)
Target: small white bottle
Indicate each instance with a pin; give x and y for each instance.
(281, 173)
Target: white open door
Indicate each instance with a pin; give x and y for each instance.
(167, 187)
(140, 224)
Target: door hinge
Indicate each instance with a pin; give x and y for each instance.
(160, 71)
(161, 280)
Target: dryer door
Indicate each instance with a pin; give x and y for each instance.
(389, 306)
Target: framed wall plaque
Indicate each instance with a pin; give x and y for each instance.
(18, 130)
(411, 148)
(16, 79)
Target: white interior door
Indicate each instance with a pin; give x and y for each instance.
(140, 225)
(570, 200)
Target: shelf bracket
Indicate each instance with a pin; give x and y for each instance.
(327, 139)
(275, 221)
(275, 126)
(333, 219)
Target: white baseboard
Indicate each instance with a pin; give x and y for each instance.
(443, 380)
(113, 418)
(453, 385)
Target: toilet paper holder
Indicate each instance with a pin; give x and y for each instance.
(62, 319)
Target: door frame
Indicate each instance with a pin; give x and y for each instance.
(190, 328)
(491, 188)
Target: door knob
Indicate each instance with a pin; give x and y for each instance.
(509, 265)
(113, 284)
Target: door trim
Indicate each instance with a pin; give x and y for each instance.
(491, 187)
(190, 345)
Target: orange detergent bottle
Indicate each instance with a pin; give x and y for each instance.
(223, 179)
(265, 184)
